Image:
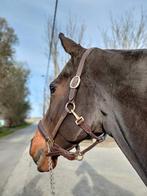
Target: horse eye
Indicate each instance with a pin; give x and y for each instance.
(52, 88)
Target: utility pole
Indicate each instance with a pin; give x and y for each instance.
(49, 59)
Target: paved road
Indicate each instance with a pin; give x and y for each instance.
(12, 148)
(104, 172)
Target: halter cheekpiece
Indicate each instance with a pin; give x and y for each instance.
(70, 107)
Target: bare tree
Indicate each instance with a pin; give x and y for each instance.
(54, 50)
(126, 32)
(73, 30)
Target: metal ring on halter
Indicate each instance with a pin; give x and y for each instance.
(75, 82)
(70, 107)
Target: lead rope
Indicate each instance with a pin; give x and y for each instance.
(51, 176)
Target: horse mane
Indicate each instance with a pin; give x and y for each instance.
(129, 74)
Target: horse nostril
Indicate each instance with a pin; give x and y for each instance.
(38, 155)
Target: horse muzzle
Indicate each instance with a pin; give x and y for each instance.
(44, 162)
(40, 157)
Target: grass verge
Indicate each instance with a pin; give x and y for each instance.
(6, 131)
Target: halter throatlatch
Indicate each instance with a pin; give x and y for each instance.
(70, 107)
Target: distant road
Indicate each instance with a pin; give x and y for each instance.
(103, 172)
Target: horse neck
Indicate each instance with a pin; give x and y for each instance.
(126, 110)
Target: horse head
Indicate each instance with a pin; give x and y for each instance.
(68, 133)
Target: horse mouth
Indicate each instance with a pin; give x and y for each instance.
(45, 164)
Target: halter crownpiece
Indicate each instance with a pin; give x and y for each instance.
(70, 107)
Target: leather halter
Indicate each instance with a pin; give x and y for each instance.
(55, 149)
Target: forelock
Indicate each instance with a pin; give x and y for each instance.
(67, 70)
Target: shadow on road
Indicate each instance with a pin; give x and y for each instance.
(94, 184)
(30, 189)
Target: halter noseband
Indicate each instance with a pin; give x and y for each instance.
(55, 149)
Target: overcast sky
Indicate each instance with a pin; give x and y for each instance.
(28, 18)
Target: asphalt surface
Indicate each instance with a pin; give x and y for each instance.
(12, 148)
(104, 172)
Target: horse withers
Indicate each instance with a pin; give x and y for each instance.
(98, 92)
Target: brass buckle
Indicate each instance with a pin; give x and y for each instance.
(75, 82)
(79, 119)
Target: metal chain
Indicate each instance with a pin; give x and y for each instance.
(52, 178)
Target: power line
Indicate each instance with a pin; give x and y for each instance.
(49, 56)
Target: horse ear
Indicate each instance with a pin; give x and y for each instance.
(70, 46)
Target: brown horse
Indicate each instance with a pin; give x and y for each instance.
(112, 98)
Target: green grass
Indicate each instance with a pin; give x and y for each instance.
(6, 131)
